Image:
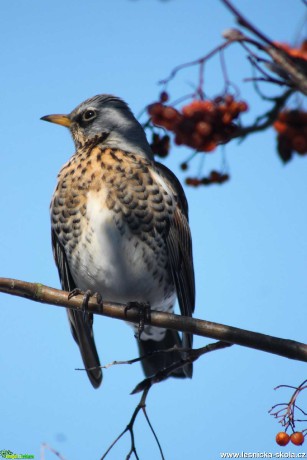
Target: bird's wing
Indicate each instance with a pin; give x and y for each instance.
(179, 246)
(81, 326)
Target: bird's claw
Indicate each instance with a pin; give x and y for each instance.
(86, 297)
(74, 293)
(144, 315)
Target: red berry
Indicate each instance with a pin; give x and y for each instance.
(299, 144)
(282, 438)
(170, 113)
(214, 176)
(243, 106)
(297, 438)
(193, 181)
(184, 166)
(209, 146)
(205, 181)
(155, 109)
(196, 141)
(164, 96)
(227, 118)
(203, 128)
(280, 126)
(304, 46)
(228, 99)
(224, 178)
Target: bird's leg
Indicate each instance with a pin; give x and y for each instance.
(144, 315)
(86, 297)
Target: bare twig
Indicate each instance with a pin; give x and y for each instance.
(294, 68)
(189, 356)
(130, 427)
(245, 23)
(44, 447)
(265, 120)
(44, 294)
(199, 61)
(286, 411)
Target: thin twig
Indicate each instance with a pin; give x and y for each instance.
(130, 427)
(138, 359)
(153, 432)
(269, 117)
(188, 356)
(247, 24)
(286, 413)
(44, 447)
(294, 68)
(194, 62)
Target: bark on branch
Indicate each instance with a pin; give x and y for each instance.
(44, 294)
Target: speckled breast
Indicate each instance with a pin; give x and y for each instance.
(111, 213)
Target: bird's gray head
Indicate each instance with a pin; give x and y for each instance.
(107, 121)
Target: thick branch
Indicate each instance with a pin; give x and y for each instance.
(44, 294)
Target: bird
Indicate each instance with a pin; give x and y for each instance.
(119, 227)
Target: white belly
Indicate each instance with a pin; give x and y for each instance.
(112, 264)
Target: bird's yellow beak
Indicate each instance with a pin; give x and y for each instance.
(63, 120)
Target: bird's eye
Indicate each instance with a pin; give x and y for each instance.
(89, 114)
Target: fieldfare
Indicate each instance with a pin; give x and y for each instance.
(120, 228)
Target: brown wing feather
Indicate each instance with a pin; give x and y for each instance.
(179, 246)
(81, 328)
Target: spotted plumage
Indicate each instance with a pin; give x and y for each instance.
(120, 227)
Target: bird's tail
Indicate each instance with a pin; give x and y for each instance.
(82, 331)
(156, 362)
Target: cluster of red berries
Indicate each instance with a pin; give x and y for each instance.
(300, 52)
(201, 124)
(214, 177)
(297, 438)
(291, 126)
(160, 145)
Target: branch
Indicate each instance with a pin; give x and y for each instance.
(267, 119)
(45, 447)
(245, 23)
(295, 68)
(286, 411)
(199, 61)
(44, 294)
(146, 385)
(130, 428)
(190, 355)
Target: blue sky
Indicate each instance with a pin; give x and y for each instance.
(249, 235)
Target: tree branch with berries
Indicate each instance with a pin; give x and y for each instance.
(285, 413)
(204, 123)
